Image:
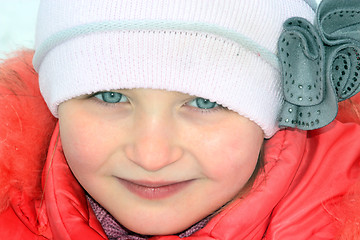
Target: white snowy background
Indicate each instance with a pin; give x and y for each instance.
(17, 24)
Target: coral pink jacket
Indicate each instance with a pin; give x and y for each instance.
(305, 176)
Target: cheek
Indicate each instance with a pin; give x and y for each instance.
(83, 144)
(231, 153)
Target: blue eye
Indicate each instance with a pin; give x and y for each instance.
(203, 103)
(111, 97)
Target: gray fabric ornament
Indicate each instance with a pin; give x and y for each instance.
(320, 64)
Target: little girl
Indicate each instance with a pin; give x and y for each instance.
(163, 108)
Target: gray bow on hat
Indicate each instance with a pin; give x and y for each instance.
(320, 64)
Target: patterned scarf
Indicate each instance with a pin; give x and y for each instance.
(114, 231)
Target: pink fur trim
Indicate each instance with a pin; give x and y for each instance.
(348, 214)
(349, 110)
(25, 130)
(347, 211)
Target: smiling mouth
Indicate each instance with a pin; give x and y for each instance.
(154, 190)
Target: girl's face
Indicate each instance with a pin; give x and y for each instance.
(158, 161)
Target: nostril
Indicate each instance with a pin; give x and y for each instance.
(153, 157)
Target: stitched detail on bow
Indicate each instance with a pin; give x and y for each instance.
(320, 64)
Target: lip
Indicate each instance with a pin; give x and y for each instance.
(154, 190)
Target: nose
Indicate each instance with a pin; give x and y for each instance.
(153, 143)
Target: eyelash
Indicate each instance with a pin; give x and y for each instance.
(101, 101)
(204, 110)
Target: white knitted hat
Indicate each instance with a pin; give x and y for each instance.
(221, 50)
